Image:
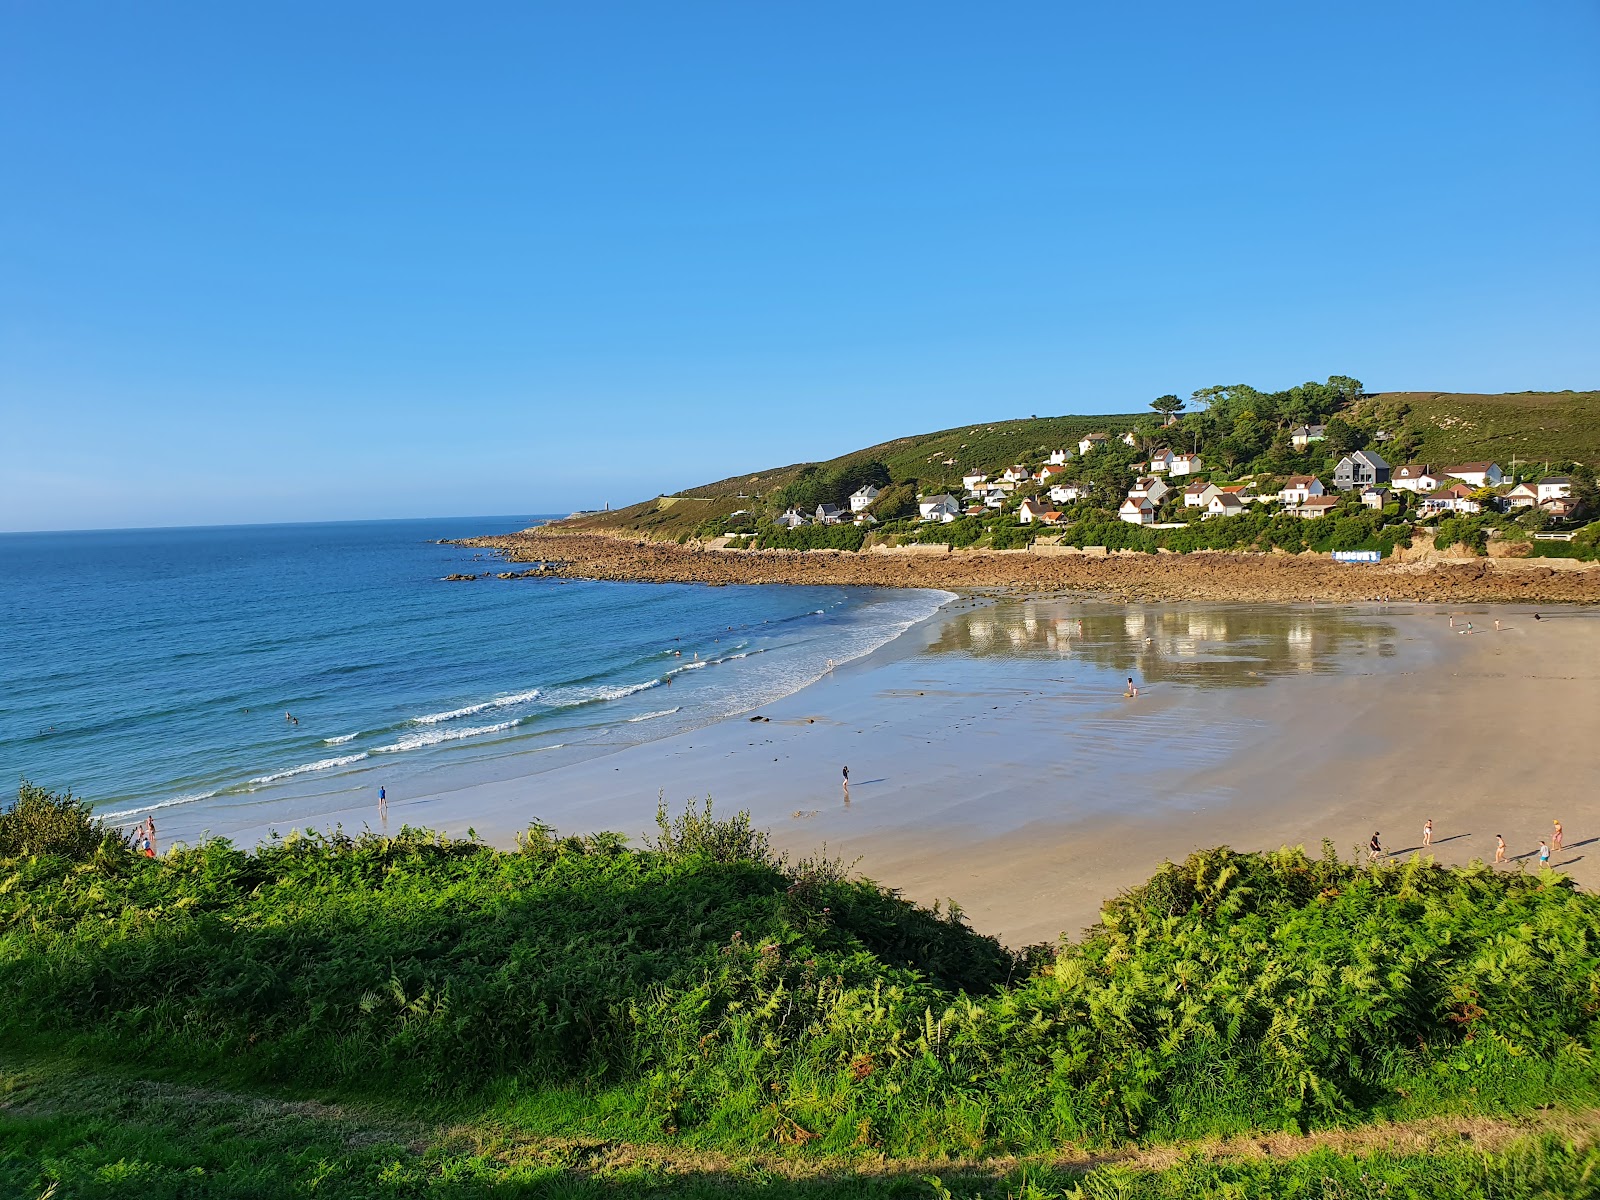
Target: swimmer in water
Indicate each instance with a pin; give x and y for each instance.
(1133, 688)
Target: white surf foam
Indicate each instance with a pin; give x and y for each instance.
(150, 808)
(472, 709)
(665, 712)
(325, 764)
(595, 695)
(432, 737)
(341, 739)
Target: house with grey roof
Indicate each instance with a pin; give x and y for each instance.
(1363, 469)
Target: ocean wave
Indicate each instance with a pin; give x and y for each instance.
(341, 739)
(473, 709)
(150, 808)
(665, 712)
(325, 764)
(416, 741)
(597, 695)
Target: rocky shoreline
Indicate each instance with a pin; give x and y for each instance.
(1201, 576)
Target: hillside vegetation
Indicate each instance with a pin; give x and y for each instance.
(1535, 427)
(1237, 428)
(704, 995)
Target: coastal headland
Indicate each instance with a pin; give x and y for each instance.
(1199, 576)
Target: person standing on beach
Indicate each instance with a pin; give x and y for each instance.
(1133, 688)
(1499, 848)
(1544, 854)
(383, 804)
(847, 784)
(1555, 839)
(1427, 833)
(1374, 848)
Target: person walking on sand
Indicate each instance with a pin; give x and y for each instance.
(1499, 848)
(1544, 854)
(1427, 833)
(847, 783)
(1555, 839)
(1374, 848)
(383, 804)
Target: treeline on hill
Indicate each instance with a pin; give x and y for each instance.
(709, 993)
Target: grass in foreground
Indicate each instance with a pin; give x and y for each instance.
(68, 1134)
(702, 997)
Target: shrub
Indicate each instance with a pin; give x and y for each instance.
(52, 823)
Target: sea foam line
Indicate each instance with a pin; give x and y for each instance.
(341, 739)
(416, 741)
(598, 694)
(472, 709)
(665, 712)
(325, 764)
(148, 808)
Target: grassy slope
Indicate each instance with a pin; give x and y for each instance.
(989, 447)
(703, 999)
(108, 1133)
(1462, 427)
(1454, 428)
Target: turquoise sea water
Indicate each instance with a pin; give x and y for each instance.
(152, 669)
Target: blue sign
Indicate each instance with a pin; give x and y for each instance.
(1360, 556)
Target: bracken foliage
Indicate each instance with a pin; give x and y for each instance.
(704, 990)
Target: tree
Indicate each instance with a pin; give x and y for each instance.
(1584, 489)
(1342, 437)
(1168, 406)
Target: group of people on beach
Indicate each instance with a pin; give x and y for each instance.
(1375, 850)
(144, 837)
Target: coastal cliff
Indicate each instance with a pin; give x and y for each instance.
(1225, 577)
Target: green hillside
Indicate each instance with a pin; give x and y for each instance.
(1236, 426)
(1468, 427)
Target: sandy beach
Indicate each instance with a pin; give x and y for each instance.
(995, 760)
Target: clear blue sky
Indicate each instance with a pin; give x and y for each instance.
(340, 260)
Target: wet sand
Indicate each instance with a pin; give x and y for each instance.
(994, 759)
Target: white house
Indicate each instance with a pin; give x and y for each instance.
(1066, 493)
(1017, 474)
(1225, 504)
(1150, 487)
(1297, 489)
(828, 514)
(1555, 487)
(861, 499)
(1522, 496)
(1476, 474)
(942, 507)
(1090, 440)
(1130, 438)
(974, 481)
(791, 519)
(1161, 461)
(1455, 498)
(1057, 457)
(1316, 506)
(1030, 510)
(994, 498)
(1375, 498)
(1416, 477)
(1184, 464)
(1302, 436)
(1198, 495)
(1048, 472)
(1137, 510)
